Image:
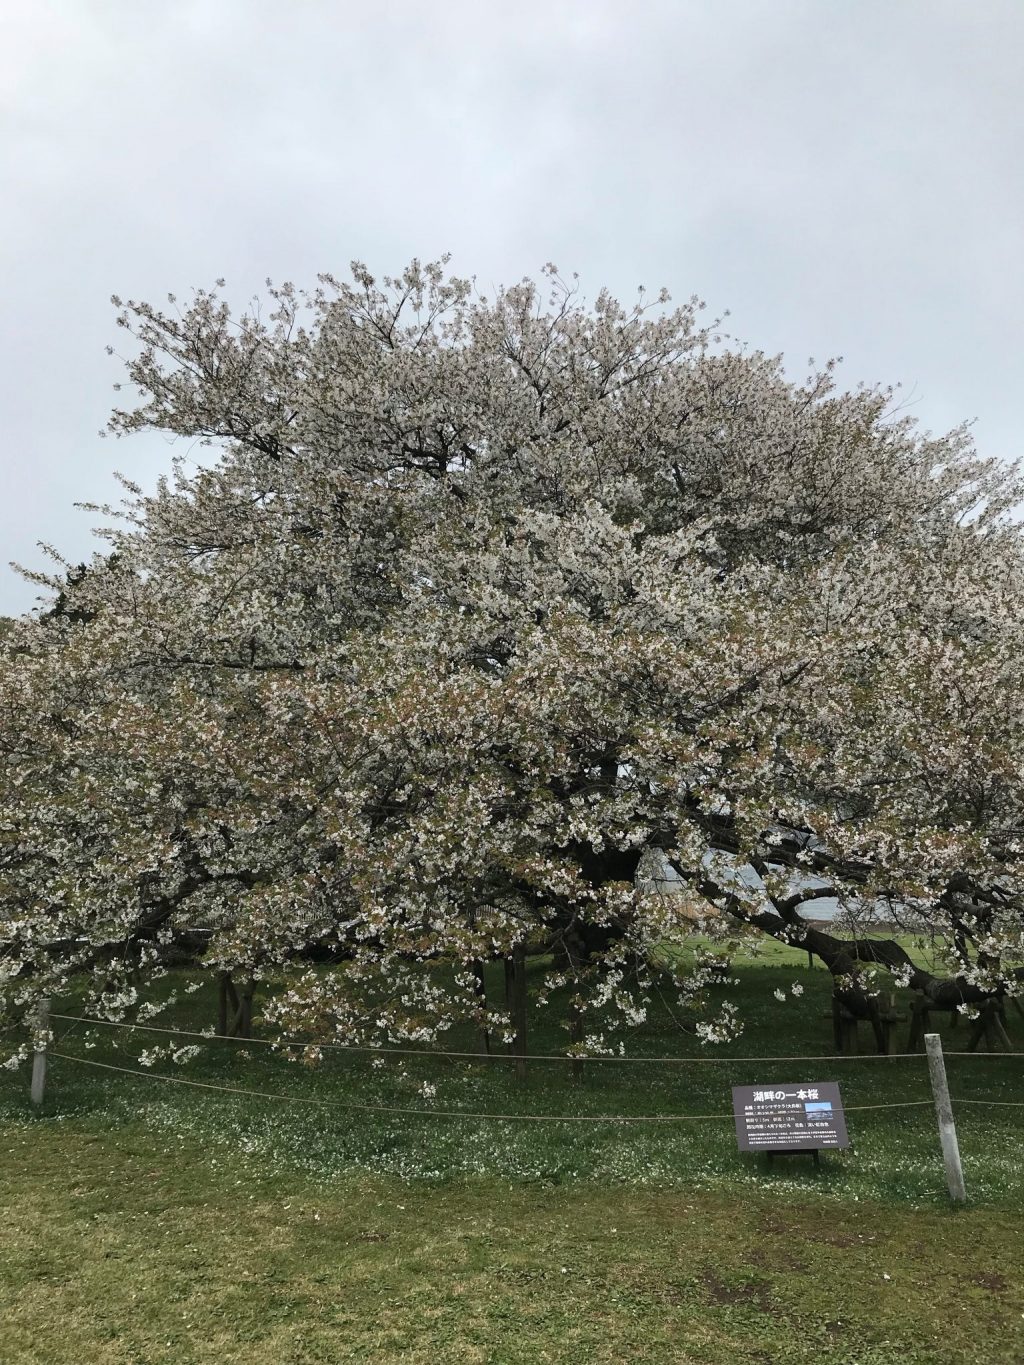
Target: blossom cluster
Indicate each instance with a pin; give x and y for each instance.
(503, 625)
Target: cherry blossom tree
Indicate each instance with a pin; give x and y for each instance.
(489, 617)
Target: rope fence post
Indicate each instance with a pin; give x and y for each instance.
(944, 1114)
(39, 1055)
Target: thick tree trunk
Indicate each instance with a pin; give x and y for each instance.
(480, 986)
(842, 957)
(244, 1021)
(228, 1007)
(234, 1010)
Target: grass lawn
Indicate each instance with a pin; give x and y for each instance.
(149, 1222)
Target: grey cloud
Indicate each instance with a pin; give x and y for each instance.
(845, 178)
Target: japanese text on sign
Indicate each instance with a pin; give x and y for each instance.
(789, 1118)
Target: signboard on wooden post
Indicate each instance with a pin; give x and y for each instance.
(789, 1118)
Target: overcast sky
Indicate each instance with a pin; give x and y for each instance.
(846, 176)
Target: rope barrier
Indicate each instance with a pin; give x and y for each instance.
(1002, 1104)
(392, 1109)
(514, 1057)
(978, 1054)
(442, 1113)
(899, 1104)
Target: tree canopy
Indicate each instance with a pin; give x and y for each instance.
(489, 616)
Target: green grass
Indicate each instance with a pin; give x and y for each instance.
(122, 1247)
(894, 1155)
(151, 1222)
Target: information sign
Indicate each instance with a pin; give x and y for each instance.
(789, 1118)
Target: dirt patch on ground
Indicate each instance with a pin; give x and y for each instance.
(835, 1237)
(640, 1284)
(986, 1279)
(823, 1232)
(776, 1259)
(756, 1293)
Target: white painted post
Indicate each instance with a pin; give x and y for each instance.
(39, 1059)
(944, 1114)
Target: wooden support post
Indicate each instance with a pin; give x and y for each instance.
(39, 1055)
(244, 1021)
(988, 1026)
(883, 1017)
(575, 948)
(519, 1008)
(480, 990)
(230, 1008)
(920, 1020)
(222, 1004)
(844, 1027)
(944, 1114)
(510, 997)
(576, 1038)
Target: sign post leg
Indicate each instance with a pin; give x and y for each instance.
(944, 1114)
